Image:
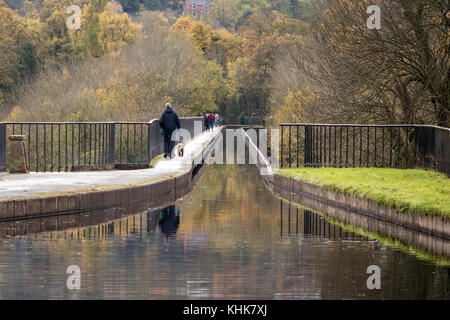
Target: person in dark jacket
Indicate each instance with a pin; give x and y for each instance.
(169, 122)
(205, 120)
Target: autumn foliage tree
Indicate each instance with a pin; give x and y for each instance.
(399, 73)
(38, 38)
(19, 49)
(285, 60)
(129, 84)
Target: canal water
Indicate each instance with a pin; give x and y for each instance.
(230, 238)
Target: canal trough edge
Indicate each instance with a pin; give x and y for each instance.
(153, 194)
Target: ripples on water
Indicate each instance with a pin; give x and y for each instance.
(230, 238)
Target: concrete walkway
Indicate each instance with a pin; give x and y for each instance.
(42, 183)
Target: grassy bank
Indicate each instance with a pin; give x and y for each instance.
(425, 192)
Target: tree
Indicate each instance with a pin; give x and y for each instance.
(398, 74)
(295, 106)
(298, 9)
(130, 6)
(227, 13)
(92, 29)
(15, 4)
(264, 35)
(115, 30)
(58, 44)
(33, 41)
(131, 83)
(133, 6)
(18, 48)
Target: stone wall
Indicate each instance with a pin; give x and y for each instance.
(360, 211)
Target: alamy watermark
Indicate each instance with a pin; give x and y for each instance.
(74, 280)
(374, 280)
(374, 21)
(73, 22)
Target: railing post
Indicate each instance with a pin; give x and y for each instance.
(149, 151)
(305, 148)
(308, 146)
(2, 147)
(281, 153)
(290, 148)
(18, 159)
(112, 143)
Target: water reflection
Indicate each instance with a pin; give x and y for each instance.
(233, 240)
(436, 248)
(314, 225)
(169, 220)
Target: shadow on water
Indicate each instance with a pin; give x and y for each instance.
(230, 238)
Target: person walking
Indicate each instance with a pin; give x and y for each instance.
(216, 120)
(205, 121)
(169, 122)
(211, 118)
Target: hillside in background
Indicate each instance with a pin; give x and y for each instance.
(284, 60)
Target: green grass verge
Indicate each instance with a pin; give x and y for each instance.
(422, 191)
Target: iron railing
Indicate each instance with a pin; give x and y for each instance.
(353, 145)
(67, 146)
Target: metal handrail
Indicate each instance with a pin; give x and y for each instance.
(369, 145)
(65, 146)
(364, 125)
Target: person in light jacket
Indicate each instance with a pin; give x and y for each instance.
(216, 120)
